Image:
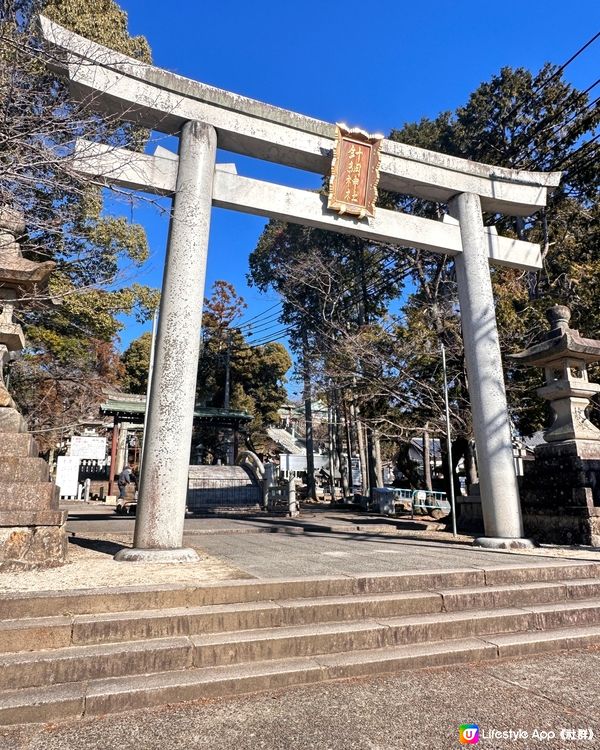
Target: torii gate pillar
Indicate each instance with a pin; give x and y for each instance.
(164, 481)
(499, 489)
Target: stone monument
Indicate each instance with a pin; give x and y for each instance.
(560, 493)
(32, 530)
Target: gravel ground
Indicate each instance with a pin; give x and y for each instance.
(91, 565)
(419, 710)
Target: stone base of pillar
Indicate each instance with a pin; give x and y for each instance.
(180, 555)
(563, 527)
(32, 547)
(11, 421)
(498, 542)
(560, 493)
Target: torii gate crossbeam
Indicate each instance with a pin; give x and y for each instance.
(205, 117)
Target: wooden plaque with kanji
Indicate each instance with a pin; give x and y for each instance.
(354, 172)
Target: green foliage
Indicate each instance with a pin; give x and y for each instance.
(94, 253)
(136, 361)
(534, 122)
(101, 21)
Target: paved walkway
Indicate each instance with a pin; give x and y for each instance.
(318, 543)
(411, 711)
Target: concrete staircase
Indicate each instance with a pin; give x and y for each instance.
(92, 652)
(287, 441)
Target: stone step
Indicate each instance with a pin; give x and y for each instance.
(18, 444)
(311, 640)
(80, 663)
(69, 663)
(61, 631)
(115, 694)
(29, 496)
(23, 469)
(138, 598)
(28, 634)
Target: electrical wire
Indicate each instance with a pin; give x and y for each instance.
(556, 73)
(258, 315)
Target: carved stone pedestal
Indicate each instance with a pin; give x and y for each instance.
(560, 491)
(32, 528)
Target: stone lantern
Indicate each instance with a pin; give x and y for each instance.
(561, 490)
(31, 525)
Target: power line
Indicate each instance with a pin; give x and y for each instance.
(354, 299)
(555, 126)
(266, 324)
(244, 323)
(573, 57)
(577, 151)
(264, 332)
(260, 321)
(556, 73)
(276, 336)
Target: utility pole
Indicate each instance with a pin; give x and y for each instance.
(148, 386)
(449, 443)
(307, 395)
(227, 389)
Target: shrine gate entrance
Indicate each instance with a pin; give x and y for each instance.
(205, 117)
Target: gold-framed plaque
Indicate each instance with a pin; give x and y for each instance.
(354, 172)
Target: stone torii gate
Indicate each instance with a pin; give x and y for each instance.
(204, 117)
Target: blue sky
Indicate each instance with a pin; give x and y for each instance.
(373, 65)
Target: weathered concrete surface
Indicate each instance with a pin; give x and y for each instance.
(163, 483)
(26, 494)
(274, 633)
(23, 469)
(19, 444)
(32, 546)
(31, 496)
(31, 669)
(11, 421)
(32, 528)
(491, 426)
(560, 493)
(551, 692)
(32, 517)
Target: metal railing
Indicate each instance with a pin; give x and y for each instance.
(388, 497)
(428, 499)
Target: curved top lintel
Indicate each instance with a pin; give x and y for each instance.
(404, 168)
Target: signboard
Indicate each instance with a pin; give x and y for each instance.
(354, 172)
(67, 475)
(85, 446)
(297, 462)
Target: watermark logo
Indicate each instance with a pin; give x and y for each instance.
(468, 734)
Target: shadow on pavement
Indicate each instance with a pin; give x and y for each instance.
(97, 545)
